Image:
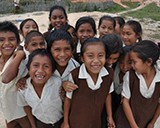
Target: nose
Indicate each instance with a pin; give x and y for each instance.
(62, 53)
(40, 69)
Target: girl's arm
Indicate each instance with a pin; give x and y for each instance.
(65, 123)
(28, 111)
(108, 103)
(128, 113)
(69, 86)
(11, 71)
(155, 117)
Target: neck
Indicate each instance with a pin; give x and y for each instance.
(150, 72)
(61, 69)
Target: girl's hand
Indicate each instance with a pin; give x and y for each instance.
(21, 84)
(111, 123)
(69, 86)
(65, 125)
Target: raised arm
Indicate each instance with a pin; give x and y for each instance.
(11, 71)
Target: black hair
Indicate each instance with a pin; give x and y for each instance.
(113, 43)
(66, 27)
(41, 52)
(106, 17)
(137, 28)
(59, 35)
(56, 7)
(26, 20)
(86, 19)
(31, 34)
(9, 26)
(124, 51)
(87, 42)
(120, 20)
(146, 50)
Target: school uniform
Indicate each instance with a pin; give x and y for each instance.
(72, 64)
(48, 108)
(88, 100)
(143, 100)
(8, 92)
(77, 53)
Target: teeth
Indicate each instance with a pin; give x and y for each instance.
(39, 77)
(7, 48)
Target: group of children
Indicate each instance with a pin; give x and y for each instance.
(68, 78)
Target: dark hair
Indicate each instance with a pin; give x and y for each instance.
(120, 20)
(59, 35)
(106, 17)
(137, 28)
(124, 51)
(66, 27)
(26, 20)
(9, 26)
(41, 52)
(87, 42)
(86, 19)
(146, 50)
(32, 34)
(113, 43)
(56, 7)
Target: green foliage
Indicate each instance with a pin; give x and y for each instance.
(150, 11)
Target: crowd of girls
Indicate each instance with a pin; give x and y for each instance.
(72, 77)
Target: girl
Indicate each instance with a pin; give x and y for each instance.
(40, 98)
(141, 88)
(60, 45)
(132, 32)
(113, 44)
(57, 17)
(85, 28)
(106, 25)
(94, 88)
(119, 24)
(123, 65)
(9, 40)
(25, 27)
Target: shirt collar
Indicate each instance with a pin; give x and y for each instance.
(78, 50)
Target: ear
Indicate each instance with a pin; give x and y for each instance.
(149, 61)
(26, 46)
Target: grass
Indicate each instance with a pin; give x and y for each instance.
(151, 11)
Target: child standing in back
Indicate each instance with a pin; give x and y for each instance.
(106, 25)
(132, 32)
(141, 88)
(83, 106)
(9, 40)
(57, 18)
(119, 24)
(85, 28)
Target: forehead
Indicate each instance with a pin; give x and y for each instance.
(61, 43)
(128, 28)
(107, 22)
(29, 22)
(57, 12)
(33, 38)
(7, 34)
(96, 47)
(85, 26)
(41, 59)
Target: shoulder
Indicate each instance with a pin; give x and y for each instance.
(74, 62)
(110, 71)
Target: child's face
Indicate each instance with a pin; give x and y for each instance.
(137, 64)
(85, 31)
(8, 43)
(106, 27)
(118, 29)
(128, 35)
(40, 70)
(73, 34)
(112, 59)
(94, 58)
(61, 52)
(58, 19)
(125, 64)
(28, 26)
(36, 42)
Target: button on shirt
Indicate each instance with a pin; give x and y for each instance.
(72, 64)
(48, 108)
(83, 74)
(144, 90)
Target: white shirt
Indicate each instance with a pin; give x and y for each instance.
(83, 74)
(72, 64)
(11, 110)
(48, 108)
(78, 49)
(144, 90)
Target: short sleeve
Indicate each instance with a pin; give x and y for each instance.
(21, 99)
(69, 94)
(126, 90)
